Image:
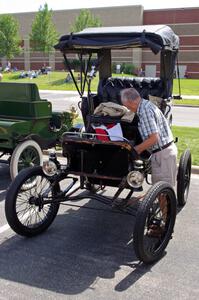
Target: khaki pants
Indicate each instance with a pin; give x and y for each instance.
(164, 165)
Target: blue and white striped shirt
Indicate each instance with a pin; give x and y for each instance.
(152, 120)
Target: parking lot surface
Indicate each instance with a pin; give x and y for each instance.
(88, 254)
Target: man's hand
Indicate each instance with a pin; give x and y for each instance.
(138, 149)
(152, 140)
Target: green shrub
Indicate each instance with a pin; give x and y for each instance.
(76, 65)
(113, 67)
(129, 69)
(125, 68)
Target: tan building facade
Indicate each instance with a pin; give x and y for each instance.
(185, 22)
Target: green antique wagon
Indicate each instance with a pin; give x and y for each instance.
(27, 125)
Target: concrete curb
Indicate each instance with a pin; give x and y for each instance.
(60, 92)
(194, 169)
(187, 97)
(181, 105)
(196, 97)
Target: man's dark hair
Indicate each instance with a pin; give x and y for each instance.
(130, 94)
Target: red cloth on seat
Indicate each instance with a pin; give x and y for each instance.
(108, 132)
(104, 137)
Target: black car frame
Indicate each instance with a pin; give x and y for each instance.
(92, 164)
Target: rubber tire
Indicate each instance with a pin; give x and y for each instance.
(185, 161)
(141, 216)
(10, 201)
(17, 152)
(170, 121)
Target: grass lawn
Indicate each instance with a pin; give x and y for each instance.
(188, 87)
(192, 102)
(188, 137)
(55, 81)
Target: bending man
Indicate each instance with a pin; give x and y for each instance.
(156, 135)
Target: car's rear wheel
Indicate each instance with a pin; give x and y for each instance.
(154, 223)
(25, 210)
(184, 177)
(170, 121)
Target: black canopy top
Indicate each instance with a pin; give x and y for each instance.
(155, 37)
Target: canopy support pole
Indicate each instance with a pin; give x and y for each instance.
(85, 72)
(179, 85)
(72, 75)
(164, 67)
(105, 67)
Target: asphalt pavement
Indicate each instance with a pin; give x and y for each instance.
(182, 116)
(88, 254)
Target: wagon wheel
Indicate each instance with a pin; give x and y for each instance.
(26, 154)
(184, 177)
(25, 212)
(154, 222)
(170, 121)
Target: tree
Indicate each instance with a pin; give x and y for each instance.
(9, 37)
(44, 34)
(85, 19)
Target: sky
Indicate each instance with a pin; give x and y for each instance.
(12, 6)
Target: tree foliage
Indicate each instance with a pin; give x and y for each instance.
(85, 19)
(44, 34)
(9, 37)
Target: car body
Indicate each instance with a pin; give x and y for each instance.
(101, 163)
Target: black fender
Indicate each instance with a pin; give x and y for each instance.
(43, 143)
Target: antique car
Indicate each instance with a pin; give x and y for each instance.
(94, 162)
(27, 126)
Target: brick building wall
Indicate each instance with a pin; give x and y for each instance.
(63, 19)
(185, 23)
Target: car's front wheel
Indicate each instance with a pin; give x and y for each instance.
(25, 207)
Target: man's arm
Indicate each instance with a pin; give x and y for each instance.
(152, 140)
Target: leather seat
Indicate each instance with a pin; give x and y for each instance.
(109, 89)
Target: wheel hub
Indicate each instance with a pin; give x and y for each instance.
(37, 201)
(156, 222)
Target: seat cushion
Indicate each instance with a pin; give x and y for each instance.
(19, 92)
(109, 89)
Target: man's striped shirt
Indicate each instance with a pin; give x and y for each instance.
(152, 120)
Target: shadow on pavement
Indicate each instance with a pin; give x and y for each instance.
(79, 247)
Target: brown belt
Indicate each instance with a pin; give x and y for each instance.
(162, 148)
